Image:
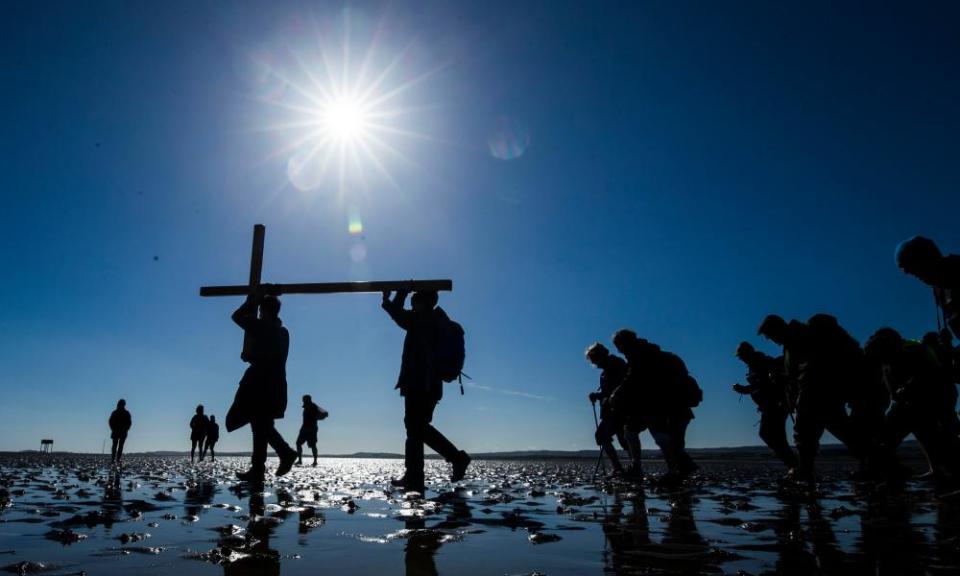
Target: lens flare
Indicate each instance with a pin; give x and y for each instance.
(355, 226)
(509, 139)
(358, 253)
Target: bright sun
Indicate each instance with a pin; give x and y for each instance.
(345, 119)
(342, 116)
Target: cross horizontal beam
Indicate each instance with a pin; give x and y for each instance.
(331, 287)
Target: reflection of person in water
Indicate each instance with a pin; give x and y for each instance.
(113, 492)
(198, 496)
(812, 549)
(946, 534)
(420, 548)
(889, 542)
(626, 533)
(681, 550)
(261, 560)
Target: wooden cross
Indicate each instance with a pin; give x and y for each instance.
(256, 265)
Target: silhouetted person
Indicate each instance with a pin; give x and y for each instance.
(120, 423)
(918, 387)
(941, 344)
(660, 386)
(262, 395)
(920, 257)
(819, 401)
(766, 385)
(213, 436)
(838, 362)
(198, 432)
(613, 370)
(308, 430)
(420, 386)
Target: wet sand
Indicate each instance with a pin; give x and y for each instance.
(65, 514)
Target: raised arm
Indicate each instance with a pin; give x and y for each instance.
(394, 307)
(247, 312)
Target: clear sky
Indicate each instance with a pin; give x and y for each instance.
(679, 168)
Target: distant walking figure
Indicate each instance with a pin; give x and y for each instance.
(262, 395)
(308, 430)
(213, 435)
(198, 432)
(421, 385)
(120, 423)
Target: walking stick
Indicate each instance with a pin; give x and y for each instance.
(600, 462)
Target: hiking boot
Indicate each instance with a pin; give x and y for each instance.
(460, 467)
(634, 472)
(670, 480)
(689, 469)
(251, 475)
(788, 478)
(418, 488)
(286, 463)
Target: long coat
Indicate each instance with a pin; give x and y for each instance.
(262, 393)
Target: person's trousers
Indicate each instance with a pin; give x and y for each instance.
(814, 416)
(671, 437)
(935, 438)
(418, 414)
(606, 430)
(265, 434)
(196, 444)
(208, 446)
(116, 448)
(773, 432)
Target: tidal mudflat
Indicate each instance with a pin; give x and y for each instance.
(65, 514)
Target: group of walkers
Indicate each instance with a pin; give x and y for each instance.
(870, 397)
(648, 389)
(204, 434)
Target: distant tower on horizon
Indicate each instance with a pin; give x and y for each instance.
(46, 446)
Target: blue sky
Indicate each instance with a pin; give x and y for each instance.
(679, 168)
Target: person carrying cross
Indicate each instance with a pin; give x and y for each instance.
(262, 395)
(421, 386)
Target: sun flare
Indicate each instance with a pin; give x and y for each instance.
(342, 119)
(345, 119)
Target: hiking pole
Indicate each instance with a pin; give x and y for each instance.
(600, 462)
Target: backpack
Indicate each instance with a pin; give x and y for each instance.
(687, 389)
(449, 350)
(690, 391)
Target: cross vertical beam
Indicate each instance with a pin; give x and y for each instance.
(256, 269)
(256, 255)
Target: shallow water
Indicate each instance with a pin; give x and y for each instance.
(67, 514)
